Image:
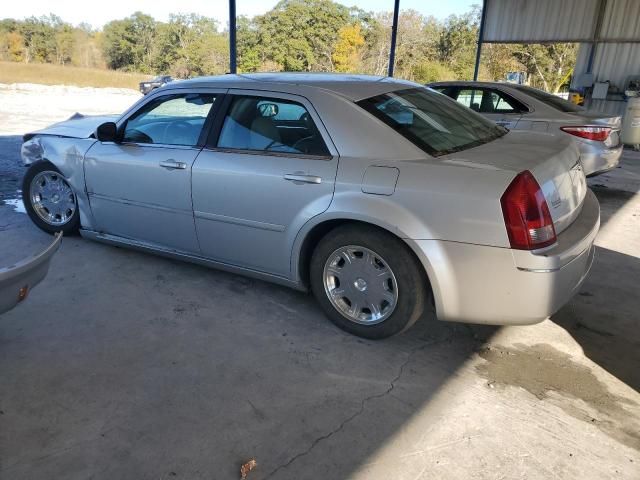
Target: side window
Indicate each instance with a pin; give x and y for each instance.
(448, 91)
(170, 120)
(270, 125)
(501, 103)
(470, 98)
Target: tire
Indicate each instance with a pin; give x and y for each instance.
(59, 210)
(403, 281)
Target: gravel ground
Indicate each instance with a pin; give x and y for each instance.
(25, 107)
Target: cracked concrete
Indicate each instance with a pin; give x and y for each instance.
(123, 365)
(353, 416)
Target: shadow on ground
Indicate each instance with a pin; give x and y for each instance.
(126, 365)
(604, 317)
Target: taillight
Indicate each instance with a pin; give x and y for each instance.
(599, 134)
(526, 214)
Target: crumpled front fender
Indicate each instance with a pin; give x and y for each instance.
(67, 154)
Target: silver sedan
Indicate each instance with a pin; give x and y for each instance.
(379, 195)
(526, 108)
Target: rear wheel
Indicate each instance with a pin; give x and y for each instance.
(367, 281)
(49, 200)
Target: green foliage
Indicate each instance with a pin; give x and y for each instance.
(549, 65)
(346, 55)
(127, 43)
(296, 35)
(433, 71)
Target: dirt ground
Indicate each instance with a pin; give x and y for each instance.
(130, 366)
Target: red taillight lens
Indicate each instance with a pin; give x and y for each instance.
(599, 134)
(526, 214)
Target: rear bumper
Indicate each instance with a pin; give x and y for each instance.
(597, 159)
(501, 286)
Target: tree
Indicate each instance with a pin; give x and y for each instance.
(64, 43)
(548, 65)
(300, 35)
(127, 43)
(432, 71)
(346, 55)
(497, 60)
(458, 42)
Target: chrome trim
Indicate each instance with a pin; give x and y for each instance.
(135, 203)
(294, 177)
(239, 221)
(538, 270)
(268, 153)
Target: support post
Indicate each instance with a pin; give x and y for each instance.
(483, 17)
(394, 35)
(232, 37)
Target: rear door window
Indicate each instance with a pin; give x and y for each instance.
(502, 103)
(470, 98)
(270, 125)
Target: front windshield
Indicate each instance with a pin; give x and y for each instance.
(432, 121)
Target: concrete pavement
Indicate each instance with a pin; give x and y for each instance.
(123, 365)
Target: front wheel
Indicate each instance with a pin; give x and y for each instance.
(49, 200)
(367, 281)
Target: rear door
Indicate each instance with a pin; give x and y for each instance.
(268, 168)
(502, 108)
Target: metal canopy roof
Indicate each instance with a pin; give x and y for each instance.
(541, 21)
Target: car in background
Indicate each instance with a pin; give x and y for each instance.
(379, 195)
(525, 108)
(16, 281)
(157, 82)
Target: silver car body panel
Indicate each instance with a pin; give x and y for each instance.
(251, 213)
(16, 281)
(596, 157)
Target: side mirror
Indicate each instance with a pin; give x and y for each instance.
(107, 132)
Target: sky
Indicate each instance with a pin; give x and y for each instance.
(97, 13)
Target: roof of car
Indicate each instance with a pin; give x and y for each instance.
(471, 82)
(354, 87)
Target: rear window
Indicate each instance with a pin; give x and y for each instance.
(433, 122)
(552, 100)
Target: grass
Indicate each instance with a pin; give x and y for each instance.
(47, 74)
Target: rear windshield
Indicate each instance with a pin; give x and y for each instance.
(433, 122)
(552, 100)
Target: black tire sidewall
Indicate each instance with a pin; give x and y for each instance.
(69, 228)
(412, 288)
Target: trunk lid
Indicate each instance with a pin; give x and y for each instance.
(554, 161)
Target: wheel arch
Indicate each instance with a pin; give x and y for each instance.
(67, 155)
(308, 240)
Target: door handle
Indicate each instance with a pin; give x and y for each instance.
(171, 164)
(296, 177)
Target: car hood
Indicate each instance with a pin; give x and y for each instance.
(77, 126)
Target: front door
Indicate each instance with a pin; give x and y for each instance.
(140, 187)
(268, 169)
